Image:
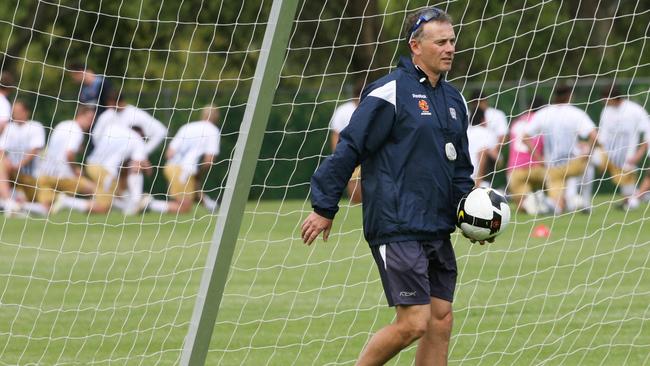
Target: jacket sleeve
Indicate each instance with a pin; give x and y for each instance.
(463, 169)
(369, 128)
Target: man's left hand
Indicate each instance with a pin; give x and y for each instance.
(481, 242)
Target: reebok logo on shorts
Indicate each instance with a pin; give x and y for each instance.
(407, 294)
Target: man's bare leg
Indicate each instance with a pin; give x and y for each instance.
(433, 347)
(410, 324)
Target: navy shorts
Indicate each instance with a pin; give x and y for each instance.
(414, 271)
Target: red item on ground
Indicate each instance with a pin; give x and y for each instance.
(541, 231)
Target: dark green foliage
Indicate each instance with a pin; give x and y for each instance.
(174, 57)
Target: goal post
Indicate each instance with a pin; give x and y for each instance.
(240, 177)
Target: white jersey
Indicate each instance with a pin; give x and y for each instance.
(620, 130)
(108, 118)
(497, 121)
(154, 131)
(341, 117)
(19, 139)
(67, 137)
(192, 141)
(561, 125)
(116, 145)
(479, 138)
(5, 110)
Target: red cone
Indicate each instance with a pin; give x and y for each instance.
(541, 231)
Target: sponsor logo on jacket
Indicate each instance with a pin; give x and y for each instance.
(424, 107)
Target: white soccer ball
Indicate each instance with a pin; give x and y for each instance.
(483, 214)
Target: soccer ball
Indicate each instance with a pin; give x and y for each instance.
(483, 213)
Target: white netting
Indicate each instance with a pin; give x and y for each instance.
(80, 288)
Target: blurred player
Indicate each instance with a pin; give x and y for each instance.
(153, 132)
(124, 114)
(643, 193)
(115, 147)
(95, 88)
(497, 122)
(58, 170)
(7, 202)
(340, 120)
(526, 170)
(8, 205)
(20, 145)
(561, 125)
(621, 123)
(194, 148)
(6, 82)
(482, 146)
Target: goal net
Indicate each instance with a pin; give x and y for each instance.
(108, 288)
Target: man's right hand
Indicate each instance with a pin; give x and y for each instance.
(313, 225)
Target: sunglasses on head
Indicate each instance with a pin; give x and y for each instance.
(427, 16)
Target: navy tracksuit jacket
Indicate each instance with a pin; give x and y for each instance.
(398, 134)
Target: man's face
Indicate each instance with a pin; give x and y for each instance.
(19, 113)
(77, 76)
(435, 47)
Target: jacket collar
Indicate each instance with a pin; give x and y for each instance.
(407, 64)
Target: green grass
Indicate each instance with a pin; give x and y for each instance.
(100, 290)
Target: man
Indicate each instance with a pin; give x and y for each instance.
(8, 204)
(193, 149)
(116, 146)
(409, 134)
(483, 147)
(496, 119)
(525, 167)
(119, 112)
(621, 123)
(153, 132)
(340, 120)
(497, 122)
(562, 125)
(6, 83)
(59, 170)
(644, 187)
(20, 145)
(95, 88)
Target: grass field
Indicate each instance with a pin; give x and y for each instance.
(105, 290)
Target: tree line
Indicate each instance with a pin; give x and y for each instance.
(174, 57)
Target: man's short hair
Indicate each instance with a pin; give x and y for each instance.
(76, 66)
(210, 113)
(536, 103)
(415, 20)
(477, 95)
(612, 92)
(562, 93)
(478, 116)
(6, 80)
